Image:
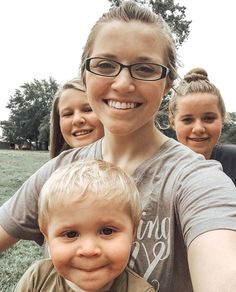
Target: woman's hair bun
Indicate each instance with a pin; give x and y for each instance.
(196, 74)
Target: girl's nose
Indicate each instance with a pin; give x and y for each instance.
(198, 127)
(123, 83)
(78, 119)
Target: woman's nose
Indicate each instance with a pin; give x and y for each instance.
(123, 83)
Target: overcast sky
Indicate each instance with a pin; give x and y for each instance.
(43, 38)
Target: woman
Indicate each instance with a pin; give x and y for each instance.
(128, 65)
(197, 114)
(73, 123)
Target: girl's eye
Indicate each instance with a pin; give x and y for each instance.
(66, 114)
(71, 234)
(186, 120)
(209, 119)
(88, 109)
(107, 231)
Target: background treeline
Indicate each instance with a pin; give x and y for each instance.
(30, 105)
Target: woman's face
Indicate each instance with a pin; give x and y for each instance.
(79, 124)
(122, 103)
(198, 122)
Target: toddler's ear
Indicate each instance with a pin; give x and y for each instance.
(134, 232)
(44, 234)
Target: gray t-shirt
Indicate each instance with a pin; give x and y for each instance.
(183, 195)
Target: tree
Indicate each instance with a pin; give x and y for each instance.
(44, 131)
(29, 108)
(229, 130)
(174, 15)
(162, 119)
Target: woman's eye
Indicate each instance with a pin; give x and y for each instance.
(71, 234)
(145, 69)
(107, 231)
(105, 65)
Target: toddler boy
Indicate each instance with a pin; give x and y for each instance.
(89, 212)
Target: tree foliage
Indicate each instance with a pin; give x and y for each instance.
(174, 15)
(229, 131)
(29, 112)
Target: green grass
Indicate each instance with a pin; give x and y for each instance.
(16, 167)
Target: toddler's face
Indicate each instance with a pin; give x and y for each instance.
(90, 242)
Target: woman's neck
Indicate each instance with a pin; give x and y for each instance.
(129, 151)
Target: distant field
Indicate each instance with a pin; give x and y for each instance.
(15, 167)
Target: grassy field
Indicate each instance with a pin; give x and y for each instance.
(15, 167)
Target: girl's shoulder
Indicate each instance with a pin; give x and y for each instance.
(226, 150)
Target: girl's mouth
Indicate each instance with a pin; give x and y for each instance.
(81, 133)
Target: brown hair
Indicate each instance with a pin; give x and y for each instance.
(195, 81)
(57, 142)
(127, 12)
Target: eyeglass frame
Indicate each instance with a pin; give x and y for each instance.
(164, 73)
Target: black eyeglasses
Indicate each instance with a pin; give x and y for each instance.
(141, 71)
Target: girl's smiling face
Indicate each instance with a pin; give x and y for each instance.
(122, 103)
(78, 123)
(198, 122)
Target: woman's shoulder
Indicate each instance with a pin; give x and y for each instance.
(226, 155)
(91, 151)
(175, 162)
(174, 150)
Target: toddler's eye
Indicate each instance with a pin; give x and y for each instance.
(107, 231)
(71, 234)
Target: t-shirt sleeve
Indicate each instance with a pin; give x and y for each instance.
(205, 201)
(27, 281)
(40, 276)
